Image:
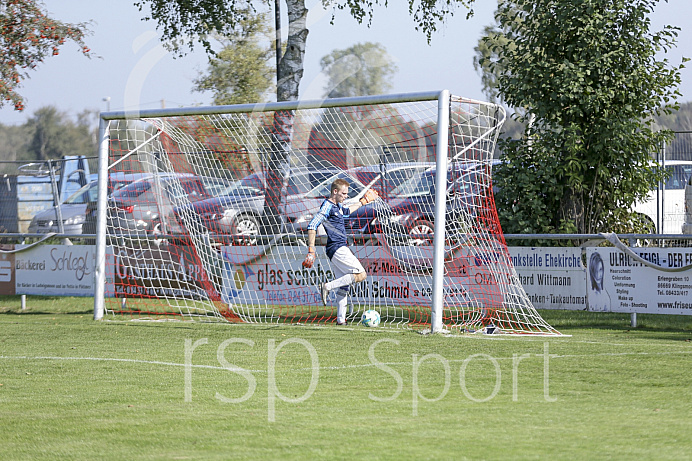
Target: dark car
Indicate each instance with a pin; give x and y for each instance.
(239, 213)
(410, 208)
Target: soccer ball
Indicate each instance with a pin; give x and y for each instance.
(371, 318)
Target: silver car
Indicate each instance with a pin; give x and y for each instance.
(72, 211)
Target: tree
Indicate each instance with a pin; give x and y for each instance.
(184, 22)
(28, 37)
(13, 140)
(360, 70)
(486, 59)
(240, 73)
(588, 71)
(486, 63)
(54, 135)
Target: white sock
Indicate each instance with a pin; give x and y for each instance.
(340, 282)
(341, 304)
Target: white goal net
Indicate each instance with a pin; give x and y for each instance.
(206, 211)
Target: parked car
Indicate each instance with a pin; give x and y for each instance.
(73, 209)
(146, 206)
(670, 202)
(410, 209)
(386, 177)
(240, 212)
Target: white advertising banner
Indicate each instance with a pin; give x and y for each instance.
(619, 283)
(55, 270)
(280, 279)
(554, 278)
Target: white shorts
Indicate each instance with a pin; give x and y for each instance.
(345, 262)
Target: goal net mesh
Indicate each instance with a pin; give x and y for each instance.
(207, 216)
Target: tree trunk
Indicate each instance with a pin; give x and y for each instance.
(290, 71)
(572, 209)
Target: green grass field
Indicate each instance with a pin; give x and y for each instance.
(73, 388)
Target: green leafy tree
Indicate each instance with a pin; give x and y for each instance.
(48, 134)
(240, 73)
(27, 37)
(587, 70)
(13, 140)
(486, 59)
(486, 63)
(360, 70)
(53, 135)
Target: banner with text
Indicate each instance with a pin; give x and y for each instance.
(620, 283)
(55, 270)
(554, 278)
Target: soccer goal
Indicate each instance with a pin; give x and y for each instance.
(203, 211)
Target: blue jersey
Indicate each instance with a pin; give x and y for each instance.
(331, 216)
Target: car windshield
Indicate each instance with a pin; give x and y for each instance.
(218, 186)
(679, 175)
(394, 179)
(254, 181)
(132, 190)
(417, 186)
(304, 183)
(463, 177)
(299, 183)
(323, 190)
(84, 195)
(472, 183)
(241, 190)
(190, 188)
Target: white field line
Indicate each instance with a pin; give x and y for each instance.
(342, 367)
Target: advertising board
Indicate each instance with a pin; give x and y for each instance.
(7, 283)
(619, 283)
(554, 278)
(55, 270)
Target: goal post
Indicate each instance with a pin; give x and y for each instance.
(202, 213)
(102, 187)
(440, 208)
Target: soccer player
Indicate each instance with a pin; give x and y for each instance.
(347, 268)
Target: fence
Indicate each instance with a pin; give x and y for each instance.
(28, 188)
(680, 148)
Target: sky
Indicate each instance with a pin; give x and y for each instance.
(133, 69)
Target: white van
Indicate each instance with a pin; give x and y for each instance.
(669, 201)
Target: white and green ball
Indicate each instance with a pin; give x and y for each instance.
(371, 318)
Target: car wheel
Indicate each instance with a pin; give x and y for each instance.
(246, 228)
(422, 232)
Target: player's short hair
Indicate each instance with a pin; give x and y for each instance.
(338, 184)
